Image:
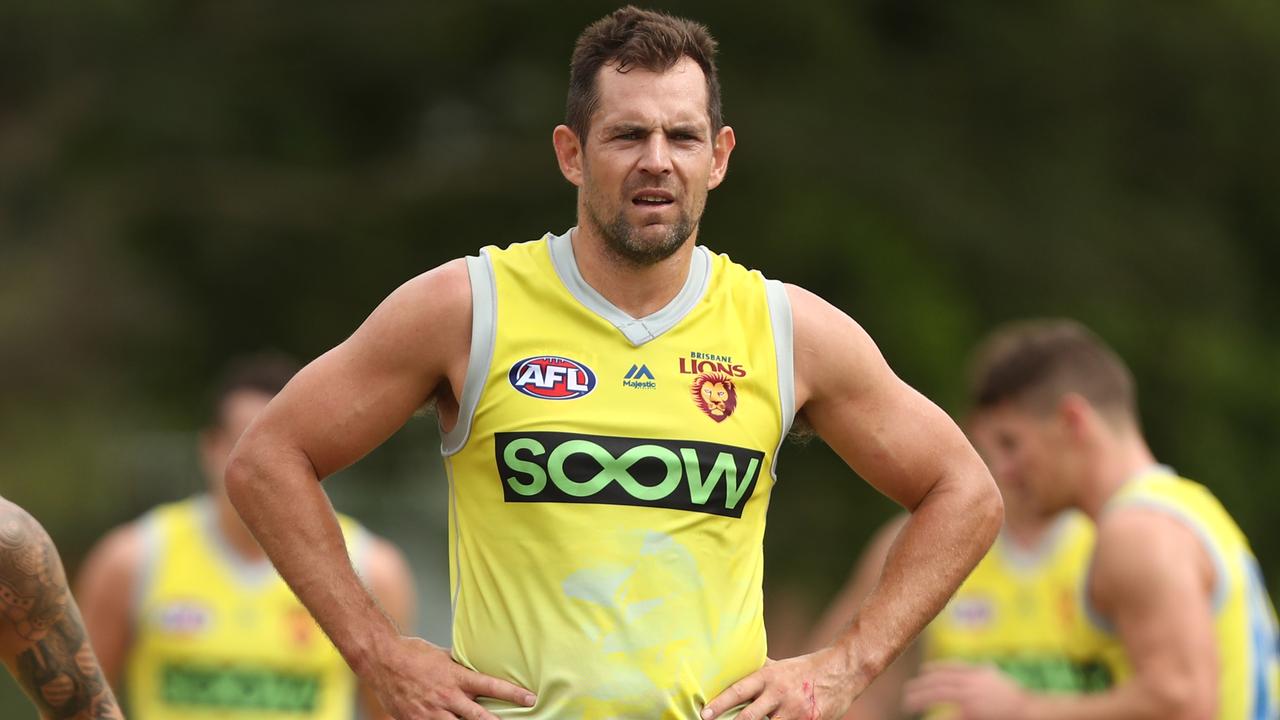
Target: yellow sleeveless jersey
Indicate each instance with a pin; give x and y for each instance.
(609, 480)
(216, 637)
(1020, 610)
(1244, 618)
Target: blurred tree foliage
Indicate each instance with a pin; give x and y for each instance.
(181, 181)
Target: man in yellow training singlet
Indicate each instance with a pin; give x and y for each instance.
(185, 608)
(1173, 585)
(612, 400)
(42, 639)
(1019, 610)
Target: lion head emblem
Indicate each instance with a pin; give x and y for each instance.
(715, 395)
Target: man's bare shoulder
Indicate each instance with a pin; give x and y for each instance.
(425, 324)
(440, 297)
(831, 350)
(1141, 551)
(120, 551)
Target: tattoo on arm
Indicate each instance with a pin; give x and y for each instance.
(56, 666)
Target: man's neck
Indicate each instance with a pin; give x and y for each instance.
(235, 534)
(1117, 460)
(637, 290)
(1027, 531)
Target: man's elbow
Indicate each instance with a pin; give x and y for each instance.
(244, 476)
(988, 511)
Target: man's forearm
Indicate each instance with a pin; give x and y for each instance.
(946, 535)
(285, 507)
(46, 647)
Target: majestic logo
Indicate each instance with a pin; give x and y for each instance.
(551, 377)
(640, 377)
(715, 395)
(675, 474)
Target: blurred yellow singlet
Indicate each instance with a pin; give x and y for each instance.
(609, 479)
(1244, 617)
(218, 638)
(1020, 610)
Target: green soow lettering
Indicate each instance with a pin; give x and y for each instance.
(673, 474)
(239, 688)
(1054, 673)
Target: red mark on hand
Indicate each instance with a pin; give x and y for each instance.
(813, 701)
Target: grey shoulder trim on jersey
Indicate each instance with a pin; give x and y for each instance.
(1220, 584)
(1028, 559)
(637, 331)
(484, 327)
(251, 574)
(152, 548)
(784, 347)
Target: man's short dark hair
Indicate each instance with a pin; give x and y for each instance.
(630, 38)
(1036, 362)
(265, 372)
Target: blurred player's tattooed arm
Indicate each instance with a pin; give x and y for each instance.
(42, 638)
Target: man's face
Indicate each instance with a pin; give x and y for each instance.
(648, 160)
(1030, 457)
(236, 413)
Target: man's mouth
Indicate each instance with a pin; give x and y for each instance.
(652, 198)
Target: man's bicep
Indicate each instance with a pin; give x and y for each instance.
(352, 398)
(885, 430)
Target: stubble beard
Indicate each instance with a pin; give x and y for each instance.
(623, 241)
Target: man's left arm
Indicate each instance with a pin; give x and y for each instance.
(908, 449)
(391, 581)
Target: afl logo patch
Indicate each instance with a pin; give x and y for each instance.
(551, 377)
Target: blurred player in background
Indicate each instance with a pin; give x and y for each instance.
(42, 639)
(612, 400)
(189, 611)
(1173, 584)
(1018, 610)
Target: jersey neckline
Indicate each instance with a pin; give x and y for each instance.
(637, 331)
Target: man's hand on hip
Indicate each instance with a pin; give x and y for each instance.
(416, 680)
(817, 686)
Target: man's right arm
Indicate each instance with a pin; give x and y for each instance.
(42, 639)
(411, 349)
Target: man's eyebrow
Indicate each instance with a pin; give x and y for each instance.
(689, 128)
(683, 127)
(619, 128)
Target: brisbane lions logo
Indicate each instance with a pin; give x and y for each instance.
(715, 395)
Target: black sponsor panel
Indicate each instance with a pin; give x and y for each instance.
(675, 474)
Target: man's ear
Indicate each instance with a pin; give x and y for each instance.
(1076, 414)
(724, 142)
(568, 153)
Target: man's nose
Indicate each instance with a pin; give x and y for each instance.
(657, 155)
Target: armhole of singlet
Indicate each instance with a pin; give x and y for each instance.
(484, 325)
(1220, 583)
(783, 346)
(149, 527)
